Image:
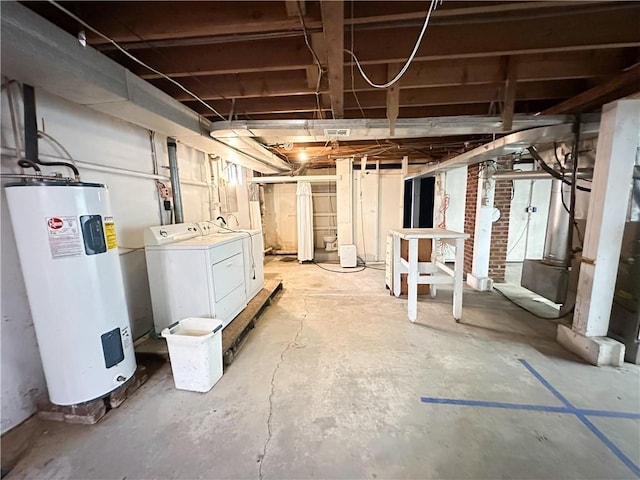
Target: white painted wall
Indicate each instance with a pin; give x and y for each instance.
(527, 230)
(451, 184)
(280, 217)
(377, 208)
(93, 139)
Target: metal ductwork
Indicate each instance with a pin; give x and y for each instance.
(302, 131)
(36, 52)
(513, 143)
(556, 245)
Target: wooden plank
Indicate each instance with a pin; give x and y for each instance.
(333, 25)
(128, 23)
(234, 333)
(574, 31)
(509, 100)
(624, 84)
(436, 73)
(445, 96)
(393, 97)
(295, 8)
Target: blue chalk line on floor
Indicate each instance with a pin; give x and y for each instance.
(568, 408)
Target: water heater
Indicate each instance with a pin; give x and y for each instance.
(66, 240)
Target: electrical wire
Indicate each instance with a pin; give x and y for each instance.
(135, 59)
(534, 153)
(131, 250)
(362, 268)
(315, 58)
(353, 80)
(46, 136)
(402, 71)
(544, 317)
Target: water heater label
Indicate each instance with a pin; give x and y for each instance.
(110, 233)
(64, 237)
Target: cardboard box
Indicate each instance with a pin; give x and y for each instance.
(424, 255)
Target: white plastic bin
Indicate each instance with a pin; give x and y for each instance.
(195, 351)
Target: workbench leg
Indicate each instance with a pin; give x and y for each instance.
(396, 266)
(432, 288)
(413, 280)
(457, 280)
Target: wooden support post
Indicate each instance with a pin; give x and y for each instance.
(393, 97)
(333, 26)
(509, 95)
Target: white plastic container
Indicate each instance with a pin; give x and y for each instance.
(195, 351)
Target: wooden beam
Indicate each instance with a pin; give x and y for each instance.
(509, 100)
(393, 97)
(295, 7)
(528, 106)
(624, 84)
(450, 14)
(571, 33)
(425, 97)
(437, 73)
(160, 21)
(333, 22)
(468, 94)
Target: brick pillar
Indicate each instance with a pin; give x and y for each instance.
(500, 230)
(470, 214)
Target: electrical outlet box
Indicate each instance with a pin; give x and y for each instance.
(531, 209)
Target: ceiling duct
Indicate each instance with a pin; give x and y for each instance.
(513, 143)
(36, 52)
(302, 131)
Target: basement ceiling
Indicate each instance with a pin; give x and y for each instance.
(281, 60)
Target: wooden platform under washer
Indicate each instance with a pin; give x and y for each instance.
(233, 334)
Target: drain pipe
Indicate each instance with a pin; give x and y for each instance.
(175, 180)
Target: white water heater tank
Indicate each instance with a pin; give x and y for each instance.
(67, 246)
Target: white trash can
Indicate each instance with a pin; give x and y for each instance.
(195, 351)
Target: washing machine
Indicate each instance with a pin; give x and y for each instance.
(252, 251)
(194, 275)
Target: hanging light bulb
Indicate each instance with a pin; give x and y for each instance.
(302, 156)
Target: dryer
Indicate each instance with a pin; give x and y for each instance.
(191, 275)
(252, 251)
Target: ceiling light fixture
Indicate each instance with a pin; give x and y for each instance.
(303, 156)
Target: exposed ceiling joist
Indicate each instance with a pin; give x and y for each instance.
(333, 24)
(437, 73)
(624, 84)
(509, 101)
(174, 25)
(393, 97)
(295, 7)
(414, 97)
(572, 32)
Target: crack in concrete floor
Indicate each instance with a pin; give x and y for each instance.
(290, 345)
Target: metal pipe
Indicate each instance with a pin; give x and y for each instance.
(34, 177)
(532, 175)
(8, 153)
(556, 243)
(575, 156)
(172, 147)
(289, 179)
(30, 124)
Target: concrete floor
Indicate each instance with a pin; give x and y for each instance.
(329, 385)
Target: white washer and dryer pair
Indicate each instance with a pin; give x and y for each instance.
(196, 275)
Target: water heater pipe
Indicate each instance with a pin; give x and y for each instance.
(175, 180)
